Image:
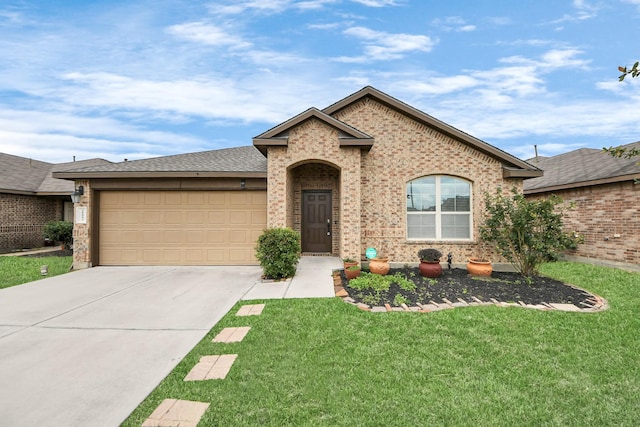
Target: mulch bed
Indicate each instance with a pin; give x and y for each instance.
(457, 284)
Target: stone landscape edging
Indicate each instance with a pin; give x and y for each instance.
(599, 304)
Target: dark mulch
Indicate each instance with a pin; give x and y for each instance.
(457, 283)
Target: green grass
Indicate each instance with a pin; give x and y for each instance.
(324, 362)
(16, 270)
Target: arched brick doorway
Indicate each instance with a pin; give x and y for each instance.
(316, 207)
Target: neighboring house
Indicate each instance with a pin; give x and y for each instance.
(367, 171)
(30, 197)
(606, 199)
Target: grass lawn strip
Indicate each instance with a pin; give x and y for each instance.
(16, 270)
(311, 362)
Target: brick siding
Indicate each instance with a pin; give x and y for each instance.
(22, 219)
(82, 239)
(607, 216)
(372, 185)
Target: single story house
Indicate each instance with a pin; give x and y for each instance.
(601, 195)
(30, 197)
(367, 171)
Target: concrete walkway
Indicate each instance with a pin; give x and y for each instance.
(313, 279)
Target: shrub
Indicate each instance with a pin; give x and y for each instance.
(59, 231)
(431, 255)
(278, 250)
(526, 232)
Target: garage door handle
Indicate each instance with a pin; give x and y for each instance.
(328, 226)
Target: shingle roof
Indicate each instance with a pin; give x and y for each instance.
(22, 175)
(238, 160)
(51, 184)
(582, 167)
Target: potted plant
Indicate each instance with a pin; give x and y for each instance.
(479, 267)
(430, 262)
(352, 272)
(349, 262)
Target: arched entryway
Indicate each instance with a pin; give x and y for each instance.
(315, 206)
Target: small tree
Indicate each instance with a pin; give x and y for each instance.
(278, 251)
(59, 231)
(526, 232)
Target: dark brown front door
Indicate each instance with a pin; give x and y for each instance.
(316, 221)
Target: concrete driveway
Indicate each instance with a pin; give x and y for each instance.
(85, 348)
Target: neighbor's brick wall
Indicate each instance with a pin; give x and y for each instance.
(405, 150)
(315, 142)
(601, 213)
(22, 219)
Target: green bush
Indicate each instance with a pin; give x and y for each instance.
(278, 251)
(526, 232)
(59, 231)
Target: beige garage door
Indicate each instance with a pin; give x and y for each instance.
(180, 227)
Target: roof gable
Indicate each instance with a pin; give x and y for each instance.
(513, 167)
(278, 135)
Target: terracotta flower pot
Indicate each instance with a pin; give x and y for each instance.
(348, 264)
(479, 267)
(352, 273)
(430, 269)
(379, 265)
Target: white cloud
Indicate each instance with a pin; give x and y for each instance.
(376, 3)
(208, 34)
(441, 85)
(583, 11)
(381, 45)
(267, 7)
(453, 23)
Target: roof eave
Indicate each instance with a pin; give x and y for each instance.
(508, 172)
(165, 174)
(580, 184)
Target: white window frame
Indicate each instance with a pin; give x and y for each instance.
(438, 212)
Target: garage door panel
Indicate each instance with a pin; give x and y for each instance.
(180, 227)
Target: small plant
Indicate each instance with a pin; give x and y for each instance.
(59, 231)
(399, 300)
(403, 282)
(348, 260)
(278, 250)
(429, 255)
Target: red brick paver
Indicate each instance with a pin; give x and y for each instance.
(173, 412)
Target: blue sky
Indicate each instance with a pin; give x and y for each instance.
(144, 78)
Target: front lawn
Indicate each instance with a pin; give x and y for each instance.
(323, 362)
(16, 270)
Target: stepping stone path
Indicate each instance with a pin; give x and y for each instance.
(228, 335)
(185, 413)
(211, 368)
(173, 412)
(250, 310)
